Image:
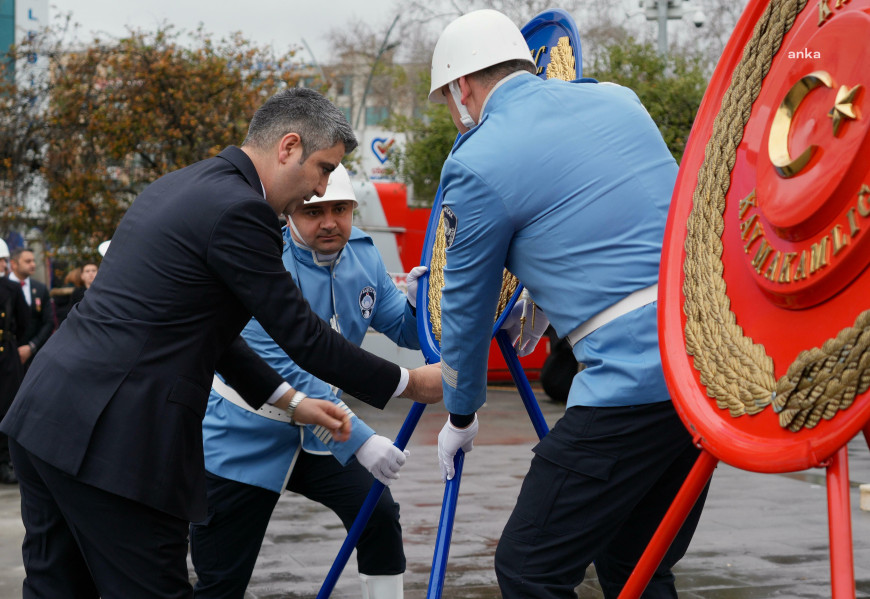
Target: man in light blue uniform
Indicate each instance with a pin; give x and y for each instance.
(252, 456)
(567, 185)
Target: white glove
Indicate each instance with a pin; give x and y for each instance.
(524, 337)
(411, 281)
(379, 456)
(450, 440)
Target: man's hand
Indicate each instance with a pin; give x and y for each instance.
(424, 384)
(24, 352)
(326, 414)
(450, 440)
(379, 456)
(524, 336)
(411, 282)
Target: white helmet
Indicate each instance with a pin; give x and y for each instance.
(4, 250)
(338, 188)
(475, 41)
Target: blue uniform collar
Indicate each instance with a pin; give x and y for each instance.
(495, 98)
(305, 256)
(499, 85)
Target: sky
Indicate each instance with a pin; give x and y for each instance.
(279, 23)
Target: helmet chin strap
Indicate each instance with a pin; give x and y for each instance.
(320, 259)
(464, 115)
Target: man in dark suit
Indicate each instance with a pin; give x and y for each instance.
(14, 318)
(23, 265)
(107, 426)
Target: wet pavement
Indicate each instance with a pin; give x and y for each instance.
(760, 536)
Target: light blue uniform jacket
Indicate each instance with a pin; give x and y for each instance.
(249, 448)
(568, 186)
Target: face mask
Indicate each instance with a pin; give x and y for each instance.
(464, 115)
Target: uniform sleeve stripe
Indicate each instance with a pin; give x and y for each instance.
(345, 407)
(323, 433)
(449, 375)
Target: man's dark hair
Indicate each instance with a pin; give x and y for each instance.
(16, 253)
(318, 122)
(497, 72)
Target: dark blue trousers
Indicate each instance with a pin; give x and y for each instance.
(83, 543)
(597, 489)
(224, 547)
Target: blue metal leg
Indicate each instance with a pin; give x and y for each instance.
(368, 507)
(445, 530)
(451, 489)
(522, 383)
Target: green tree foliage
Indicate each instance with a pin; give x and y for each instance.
(430, 137)
(23, 87)
(123, 112)
(671, 88)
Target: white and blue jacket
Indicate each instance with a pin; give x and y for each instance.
(357, 292)
(568, 186)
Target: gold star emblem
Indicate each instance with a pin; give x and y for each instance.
(843, 108)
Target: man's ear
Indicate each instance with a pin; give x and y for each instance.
(289, 145)
(464, 90)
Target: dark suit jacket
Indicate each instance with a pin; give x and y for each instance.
(41, 317)
(117, 395)
(14, 319)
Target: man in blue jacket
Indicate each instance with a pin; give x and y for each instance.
(252, 456)
(567, 185)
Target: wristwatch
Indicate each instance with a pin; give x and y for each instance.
(294, 403)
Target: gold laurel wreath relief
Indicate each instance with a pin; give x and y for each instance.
(562, 65)
(737, 372)
(509, 282)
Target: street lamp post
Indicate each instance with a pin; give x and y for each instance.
(384, 48)
(662, 15)
(665, 10)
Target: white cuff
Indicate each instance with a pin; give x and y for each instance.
(403, 382)
(279, 393)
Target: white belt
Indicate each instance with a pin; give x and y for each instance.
(232, 395)
(639, 298)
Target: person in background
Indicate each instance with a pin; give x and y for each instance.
(76, 283)
(36, 294)
(4, 259)
(89, 273)
(62, 297)
(567, 185)
(14, 318)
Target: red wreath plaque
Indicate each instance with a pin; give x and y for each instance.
(764, 306)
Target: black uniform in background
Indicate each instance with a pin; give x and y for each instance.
(14, 319)
(41, 320)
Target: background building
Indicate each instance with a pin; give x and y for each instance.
(21, 20)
